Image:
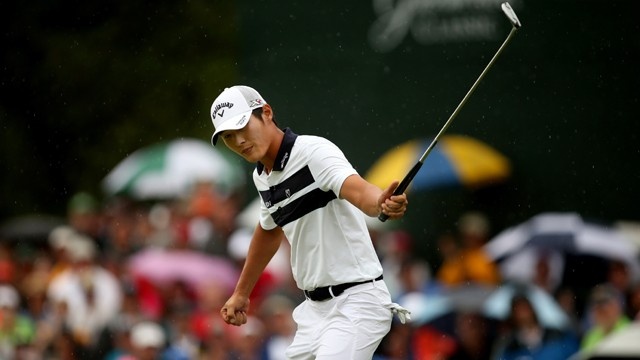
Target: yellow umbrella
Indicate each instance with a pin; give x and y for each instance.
(456, 161)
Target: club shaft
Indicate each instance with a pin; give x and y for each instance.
(414, 171)
(466, 97)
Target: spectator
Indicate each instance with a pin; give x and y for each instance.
(527, 338)
(619, 276)
(273, 276)
(59, 240)
(607, 313)
(472, 337)
(210, 330)
(276, 313)
(91, 295)
(397, 344)
(8, 268)
(16, 330)
(212, 218)
(83, 214)
(148, 342)
(414, 275)
(566, 298)
(120, 229)
(468, 263)
(634, 302)
(247, 340)
(395, 249)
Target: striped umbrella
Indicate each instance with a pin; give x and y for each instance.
(456, 161)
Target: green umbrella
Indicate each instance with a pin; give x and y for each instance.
(170, 169)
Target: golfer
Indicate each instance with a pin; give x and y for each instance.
(314, 197)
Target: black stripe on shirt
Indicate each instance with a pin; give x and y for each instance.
(288, 187)
(300, 207)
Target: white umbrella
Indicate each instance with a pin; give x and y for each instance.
(565, 233)
(169, 170)
(425, 308)
(548, 311)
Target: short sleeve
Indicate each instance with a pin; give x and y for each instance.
(266, 220)
(329, 166)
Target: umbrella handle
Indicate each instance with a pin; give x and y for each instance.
(403, 186)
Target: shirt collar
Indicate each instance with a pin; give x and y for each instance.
(284, 153)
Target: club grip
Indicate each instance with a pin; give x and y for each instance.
(403, 186)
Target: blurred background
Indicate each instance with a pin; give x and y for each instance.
(85, 85)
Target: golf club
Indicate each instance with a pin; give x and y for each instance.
(515, 22)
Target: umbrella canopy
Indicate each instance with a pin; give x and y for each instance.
(565, 233)
(425, 308)
(168, 170)
(432, 307)
(194, 268)
(455, 161)
(30, 228)
(548, 311)
(490, 302)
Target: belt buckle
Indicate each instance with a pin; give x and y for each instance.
(307, 293)
(315, 295)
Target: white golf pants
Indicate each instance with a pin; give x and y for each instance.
(349, 327)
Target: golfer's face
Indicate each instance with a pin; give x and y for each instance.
(249, 142)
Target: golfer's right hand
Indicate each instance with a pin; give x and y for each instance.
(234, 312)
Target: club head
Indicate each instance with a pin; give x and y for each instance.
(506, 8)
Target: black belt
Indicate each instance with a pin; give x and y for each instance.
(324, 293)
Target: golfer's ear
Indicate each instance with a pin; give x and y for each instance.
(267, 113)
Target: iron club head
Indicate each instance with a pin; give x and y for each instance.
(508, 10)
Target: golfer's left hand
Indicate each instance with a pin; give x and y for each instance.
(391, 205)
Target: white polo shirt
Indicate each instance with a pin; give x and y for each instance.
(330, 243)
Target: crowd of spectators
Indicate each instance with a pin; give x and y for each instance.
(77, 294)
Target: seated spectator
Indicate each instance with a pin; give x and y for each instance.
(607, 314)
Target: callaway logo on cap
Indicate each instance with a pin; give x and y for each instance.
(232, 109)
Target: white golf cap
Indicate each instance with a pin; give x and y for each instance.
(232, 109)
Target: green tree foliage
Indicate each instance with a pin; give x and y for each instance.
(86, 83)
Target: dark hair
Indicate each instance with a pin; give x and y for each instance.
(258, 113)
(522, 298)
